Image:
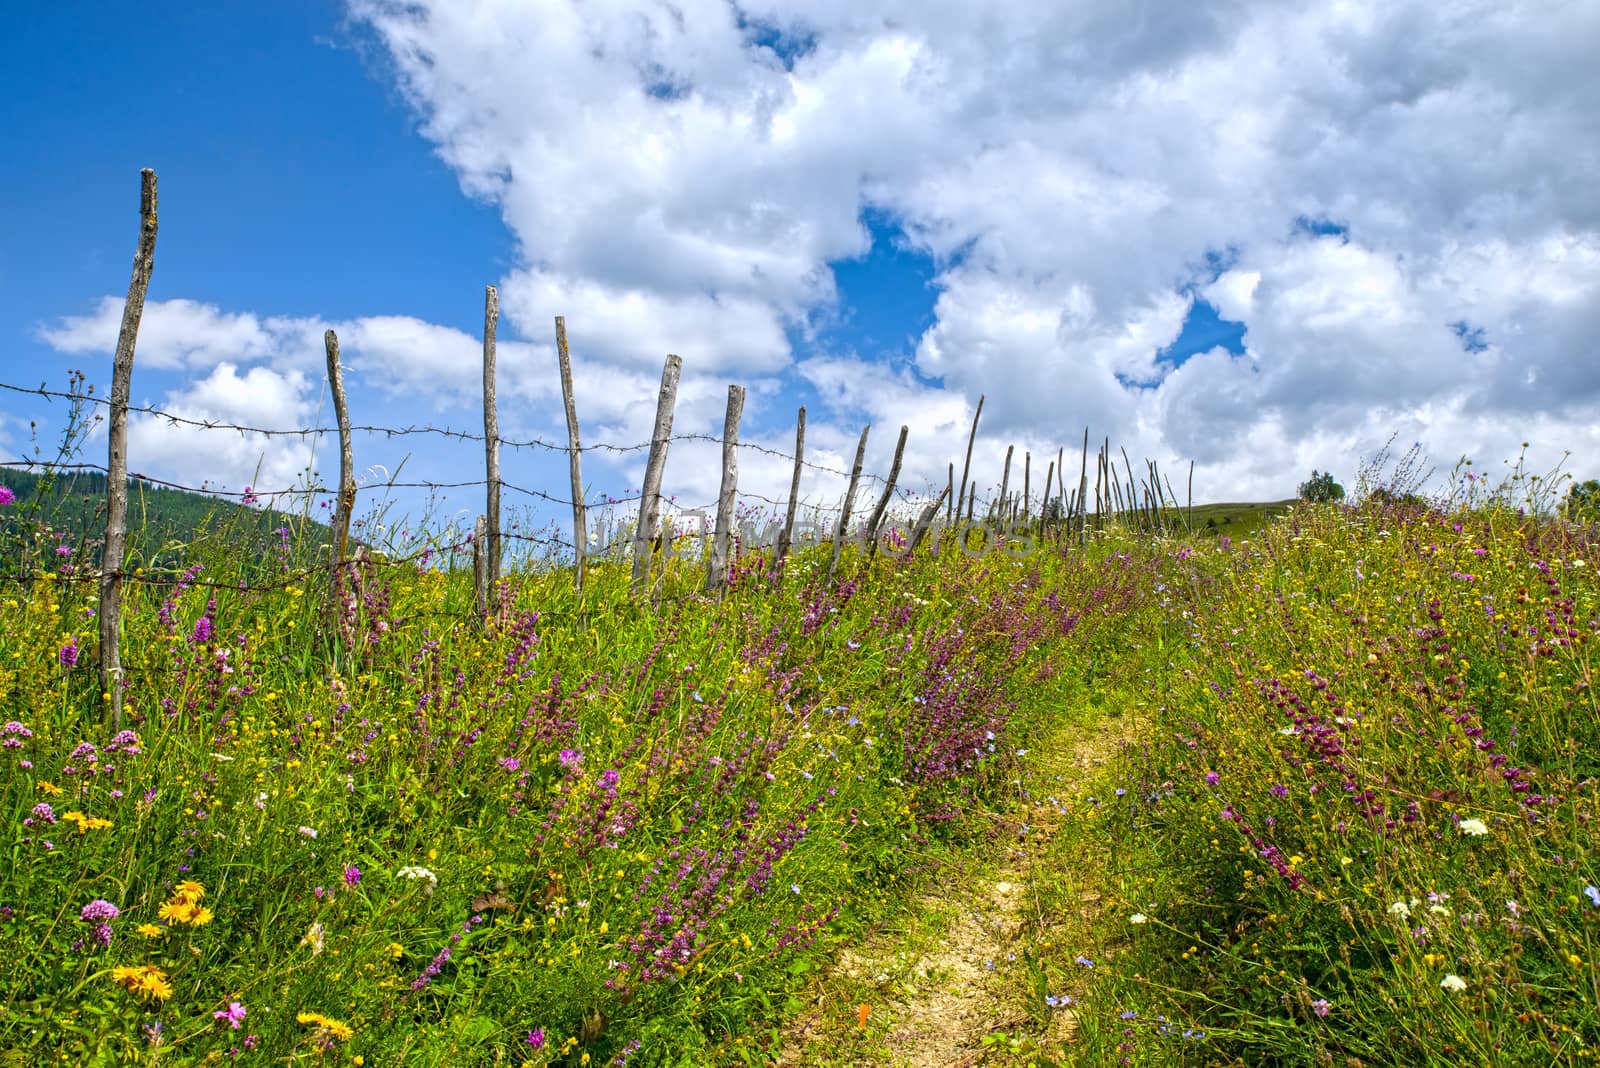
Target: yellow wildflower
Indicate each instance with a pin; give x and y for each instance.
(341, 1031)
(150, 930)
(145, 980)
(49, 788)
(189, 890)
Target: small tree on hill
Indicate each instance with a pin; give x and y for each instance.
(1320, 488)
(1583, 502)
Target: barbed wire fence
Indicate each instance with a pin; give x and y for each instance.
(1063, 509)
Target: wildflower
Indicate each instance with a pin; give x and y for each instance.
(1212, 778)
(1473, 827)
(233, 1015)
(150, 930)
(182, 910)
(43, 813)
(146, 980)
(1594, 895)
(1321, 1007)
(1085, 962)
(308, 832)
(536, 1038)
(326, 1024)
(1058, 1001)
(1138, 917)
(68, 653)
(1129, 1015)
(862, 1012)
(100, 912)
(1454, 983)
(412, 871)
(86, 824)
(571, 759)
(6, 496)
(189, 890)
(352, 875)
(316, 939)
(1400, 909)
(44, 787)
(395, 950)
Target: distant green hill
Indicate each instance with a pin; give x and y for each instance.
(162, 522)
(1236, 520)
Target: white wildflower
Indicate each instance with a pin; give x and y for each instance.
(1453, 983)
(1476, 828)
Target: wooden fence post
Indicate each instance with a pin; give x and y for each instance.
(966, 464)
(480, 565)
(785, 539)
(849, 495)
(949, 494)
(144, 261)
(888, 492)
(580, 523)
(1083, 489)
(722, 538)
(1191, 496)
(1027, 487)
(650, 494)
(925, 519)
(491, 449)
(346, 500)
(1005, 488)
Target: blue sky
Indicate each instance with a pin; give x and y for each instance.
(885, 222)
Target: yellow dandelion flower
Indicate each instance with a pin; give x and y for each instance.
(189, 890)
(175, 911)
(202, 917)
(150, 930)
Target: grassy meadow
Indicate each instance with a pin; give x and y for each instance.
(1350, 825)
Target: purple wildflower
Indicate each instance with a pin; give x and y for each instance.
(68, 654)
(536, 1038)
(98, 911)
(352, 875)
(233, 1015)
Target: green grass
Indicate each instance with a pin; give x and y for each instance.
(641, 831)
(1237, 520)
(649, 834)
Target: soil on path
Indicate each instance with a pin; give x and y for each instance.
(952, 975)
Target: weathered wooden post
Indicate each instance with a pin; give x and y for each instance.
(650, 493)
(722, 538)
(966, 465)
(849, 496)
(491, 450)
(1005, 488)
(580, 523)
(345, 504)
(144, 261)
(785, 538)
(925, 519)
(1027, 488)
(874, 524)
(1083, 489)
(480, 565)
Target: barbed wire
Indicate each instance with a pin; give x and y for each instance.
(175, 419)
